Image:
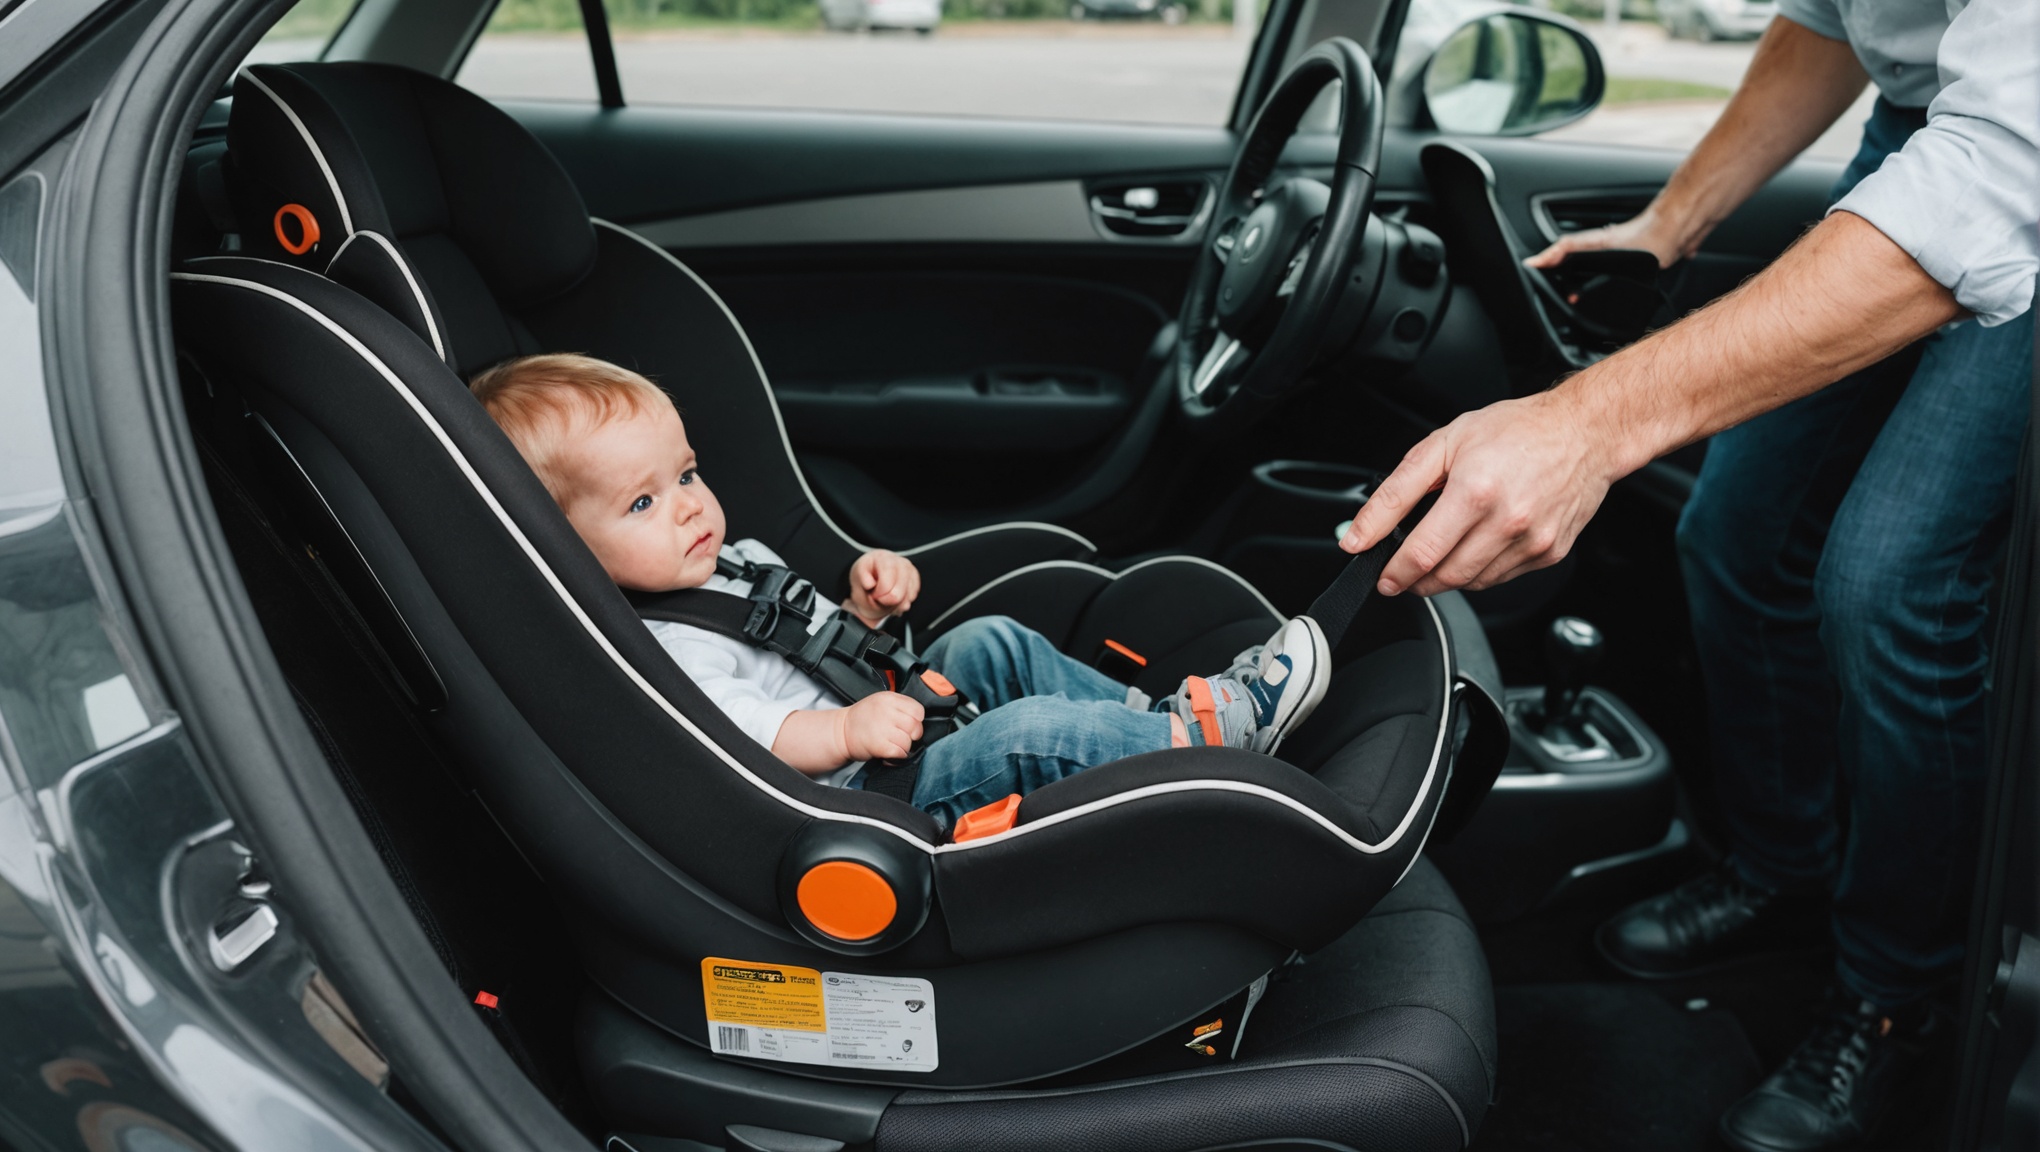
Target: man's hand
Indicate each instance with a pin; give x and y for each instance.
(1525, 477)
(1798, 83)
(880, 727)
(1648, 231)
(882, 584)
(1522, 477)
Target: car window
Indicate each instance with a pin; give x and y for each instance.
(531, 50)
(1147, 61)
(302, 33)
(1671, 66)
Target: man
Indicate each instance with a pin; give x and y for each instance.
(1838, 547)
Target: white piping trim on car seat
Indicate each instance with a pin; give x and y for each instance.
(332, 182)
(779, 421)
(531, 553)
(404, 266)
(1008, 526)
(1358, 845)
(771, 402)
(1025, 569)
(1109, 575)
(630, 672)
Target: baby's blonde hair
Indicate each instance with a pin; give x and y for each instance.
(543, 402)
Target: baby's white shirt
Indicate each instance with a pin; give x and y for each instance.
(756, 689)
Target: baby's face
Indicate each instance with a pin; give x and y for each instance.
(641, 506)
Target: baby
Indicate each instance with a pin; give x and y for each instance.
(610, 447)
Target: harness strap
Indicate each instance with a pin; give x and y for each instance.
(851, 660)
(1337, 605)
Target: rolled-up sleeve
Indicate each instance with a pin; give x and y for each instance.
(1963, 196)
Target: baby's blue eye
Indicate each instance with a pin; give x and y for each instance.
(641, 503)
(687, 477)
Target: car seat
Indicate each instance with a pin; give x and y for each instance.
(398, 233)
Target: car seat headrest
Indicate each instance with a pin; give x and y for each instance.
(386, 149)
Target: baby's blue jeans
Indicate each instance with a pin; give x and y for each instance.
(1046, 716)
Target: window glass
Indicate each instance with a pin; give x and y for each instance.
(303, 33)
(1671, 66)
(531, 50)
(1147, 61)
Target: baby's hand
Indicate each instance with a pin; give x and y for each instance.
(883, 726)
(882, 584)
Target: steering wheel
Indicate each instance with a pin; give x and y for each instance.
(1266, 287)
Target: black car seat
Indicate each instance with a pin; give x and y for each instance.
(403, 232)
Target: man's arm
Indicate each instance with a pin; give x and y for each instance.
(1526, 475)
(1798, 83)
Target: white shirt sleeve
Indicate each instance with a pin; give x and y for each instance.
(713, 663)
(1963, 196)
(1815, 16)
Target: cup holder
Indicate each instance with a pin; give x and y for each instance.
(1342, 484)
(1281, 531)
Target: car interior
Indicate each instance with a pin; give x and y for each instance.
(1124, 383)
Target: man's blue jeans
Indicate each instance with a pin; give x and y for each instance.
(1046, 716)
(1837, 555)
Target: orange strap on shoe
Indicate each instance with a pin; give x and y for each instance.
(1205, 709)
(989, 820)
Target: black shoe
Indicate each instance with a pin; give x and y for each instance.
(1839, 1084)
(1708, 922)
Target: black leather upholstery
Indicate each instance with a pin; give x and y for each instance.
(660, 826)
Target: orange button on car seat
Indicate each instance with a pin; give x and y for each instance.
(846, 900)
(307, 229)
(938, 682)
(989, 820)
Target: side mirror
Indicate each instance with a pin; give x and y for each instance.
(1511, 73)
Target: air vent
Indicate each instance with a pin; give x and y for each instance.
(1563, 212)
(1153, 210)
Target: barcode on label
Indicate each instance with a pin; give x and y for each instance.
(730, 1039)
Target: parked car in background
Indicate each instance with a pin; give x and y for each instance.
(855, 15)
(1166, 11)
(1715, 19)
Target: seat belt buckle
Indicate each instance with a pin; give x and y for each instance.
(1119, 662)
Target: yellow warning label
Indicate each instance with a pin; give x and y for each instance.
(767, 995)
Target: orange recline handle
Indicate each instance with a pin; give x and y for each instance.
(989, 820)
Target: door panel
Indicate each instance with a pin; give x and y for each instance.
(642, 164)
(888, 361)
(930, 296)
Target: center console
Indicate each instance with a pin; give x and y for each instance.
(1584, 801)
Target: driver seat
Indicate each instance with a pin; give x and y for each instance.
(1124, 903)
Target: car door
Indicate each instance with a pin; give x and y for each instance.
(954, 254)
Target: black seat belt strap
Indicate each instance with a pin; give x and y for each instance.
(1336, 606)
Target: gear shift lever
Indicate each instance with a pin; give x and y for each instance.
(1571, 650)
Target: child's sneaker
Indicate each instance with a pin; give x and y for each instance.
(1216, 711)
(1291, 673)
(1269, 690)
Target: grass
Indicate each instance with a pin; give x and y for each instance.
(1642, 90)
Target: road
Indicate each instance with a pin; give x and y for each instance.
(1145, 73)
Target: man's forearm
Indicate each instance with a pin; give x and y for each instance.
(1797, 85)
(1839, 300)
